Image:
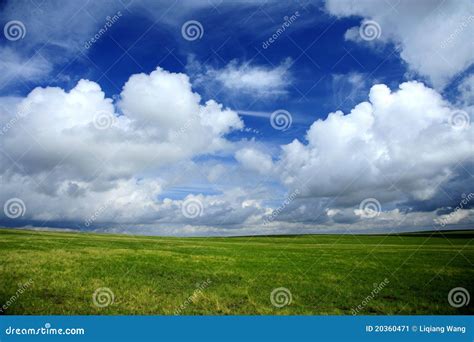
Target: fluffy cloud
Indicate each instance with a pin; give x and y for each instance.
(78, 158)
(348, 89)
(432, 35)
(399, 146)
(466, 91)
(64, 152)
(254, 160)
(164, 105)
(244, 78)
(13, 66)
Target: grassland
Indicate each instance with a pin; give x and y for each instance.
(326, 274)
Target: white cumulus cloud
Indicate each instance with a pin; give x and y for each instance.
(433, 36)
(65, 151)
(254, 160)
(398, 146)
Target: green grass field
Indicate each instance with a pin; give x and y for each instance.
(326, 274)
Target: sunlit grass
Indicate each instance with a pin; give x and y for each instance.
(326, 274)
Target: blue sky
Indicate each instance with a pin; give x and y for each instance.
(165, 146)
(315, 42)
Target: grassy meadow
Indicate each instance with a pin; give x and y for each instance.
(325, 274)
